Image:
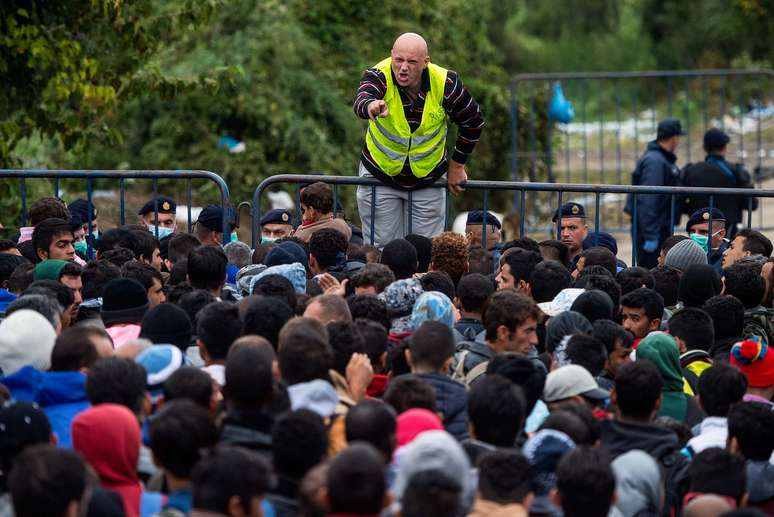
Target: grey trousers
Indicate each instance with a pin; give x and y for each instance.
(391, 221)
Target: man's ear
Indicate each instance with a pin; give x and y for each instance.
(235, 507)
(203, 350)
(147, 405)
(527, 501)
(73, 509)
(555, 497)
(41, 253)
(732, 445)
(323, 496)
(681, 346)
(407, 355)
(655, 324)
(502, 332)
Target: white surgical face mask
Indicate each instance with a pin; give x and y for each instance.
(267, 240)
(163, 232)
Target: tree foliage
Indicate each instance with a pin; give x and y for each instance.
(143, 84)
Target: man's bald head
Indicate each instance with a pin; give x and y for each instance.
(411, 41)
(409, 59)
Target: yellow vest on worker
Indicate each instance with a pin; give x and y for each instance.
(390, 140)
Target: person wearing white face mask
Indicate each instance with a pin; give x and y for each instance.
(698, 229)
(276, 224)
(161, 209)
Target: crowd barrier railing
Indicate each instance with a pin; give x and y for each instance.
(519, 190)
(616, 113)
(90, 176)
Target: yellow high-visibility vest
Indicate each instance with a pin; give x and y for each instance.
(390, 140)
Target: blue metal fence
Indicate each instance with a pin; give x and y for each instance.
(560, 192)
(90, 176)
(616, 114)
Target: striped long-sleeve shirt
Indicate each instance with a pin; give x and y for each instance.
(459, 105)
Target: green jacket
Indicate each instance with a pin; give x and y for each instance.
(661, 350)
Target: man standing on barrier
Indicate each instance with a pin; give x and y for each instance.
(656, 168)
(408, 101)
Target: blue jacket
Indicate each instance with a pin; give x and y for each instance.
(655, 168)
(62, 395)
(6, 297)
(451, 402)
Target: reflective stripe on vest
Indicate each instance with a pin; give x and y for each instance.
(390, 140)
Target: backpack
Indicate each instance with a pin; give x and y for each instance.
(469, 354)
(676, 481)
(757, 322)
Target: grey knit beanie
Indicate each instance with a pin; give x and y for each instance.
(684, 254)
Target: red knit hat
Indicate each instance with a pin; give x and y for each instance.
(414, 422)
(756, 362)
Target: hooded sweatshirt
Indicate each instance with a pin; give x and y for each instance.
(661, 350)
(108, 437)
(318, 395)
(434, 450)
(661, 443)
(295, 273)
(62, 395)
(26, 339)
(400, 297)
(432, 306)
(638, 484)
(565, 324)
(6, 298)
(760, 485)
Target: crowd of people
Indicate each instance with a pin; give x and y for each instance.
(313, 375)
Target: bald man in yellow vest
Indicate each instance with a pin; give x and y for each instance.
(408, 102)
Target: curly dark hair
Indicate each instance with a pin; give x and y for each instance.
(327, 246)
(450, 254)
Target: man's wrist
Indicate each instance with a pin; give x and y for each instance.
(459, 157)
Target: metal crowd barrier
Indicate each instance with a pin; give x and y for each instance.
(121, 176)
(616, 115)
(520, 190)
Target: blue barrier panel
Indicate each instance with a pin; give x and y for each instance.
(520, 189)
(616, 114)
(121, 176)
